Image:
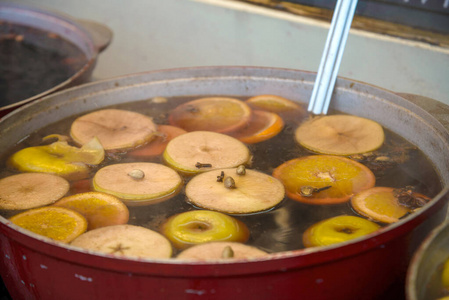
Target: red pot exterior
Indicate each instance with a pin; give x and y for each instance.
(371, 269)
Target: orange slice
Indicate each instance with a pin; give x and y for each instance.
(219, 114)
(340, 135)
(58, 223)
(262, 126)
(157, 146)
(221, 250)
(201, 151)
(273, 103)
(98, 208)
(332, 179)
(138, 183)
(116, 129)
(31, 190)
(253, 192)
(125, 240)
(337, 230)
(379, 204)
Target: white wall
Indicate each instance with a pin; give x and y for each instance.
(159, 34)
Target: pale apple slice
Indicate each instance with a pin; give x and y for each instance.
(249, 193)
(138, 183)
(116, 129)
(125, 240)
(221, 250)
(340, 135)
(200, 151)
(31, 190)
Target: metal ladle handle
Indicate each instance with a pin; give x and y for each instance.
(331, 58)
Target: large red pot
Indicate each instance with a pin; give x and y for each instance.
(89, 37)
(366, 268)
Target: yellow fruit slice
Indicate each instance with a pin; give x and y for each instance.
(59, 158)
(116, 129)
(138, 183)
(31, 190)
(252, 192)
(340, 135)
(445, 274)
(273, 103)
(337, 230)
(202, 226)
(98, 208)
(262, 126)
(58, 223)
(219, 114)
(379, 204)
(201, 151)
(335, 179)
(221, 250)
(157, 146)
(125, 240)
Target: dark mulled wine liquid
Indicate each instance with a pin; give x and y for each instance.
(281, 228)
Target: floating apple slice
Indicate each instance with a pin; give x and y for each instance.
(116, 129)
(340, 135)
(202, 226)
(219, 114)
(323, 179)
(252, 192)
(138, 183)
(125, 240)
(98, 208)
(58, 223)
(262, 126)
(200, 151)
(59, 158)
(381, 204)
(31, 190)
(157, 146)
(221, 250)
(337, 230)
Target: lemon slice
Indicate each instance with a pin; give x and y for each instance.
(221, 250)
(116, 129)
(340, 135)
(125, 240)
(31, 190)
(201, 226)
(138, 183)
(380, 204)
(59, 158)
(98, 208)
(200, 151)
(253, 192)
(332, 179)
(337, 230)
(219, 114)
(58, 223)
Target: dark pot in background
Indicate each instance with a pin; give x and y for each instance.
(89, 37)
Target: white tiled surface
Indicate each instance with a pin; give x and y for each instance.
(155, 34)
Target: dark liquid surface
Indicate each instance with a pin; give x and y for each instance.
(33, 61)
(281, 228)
